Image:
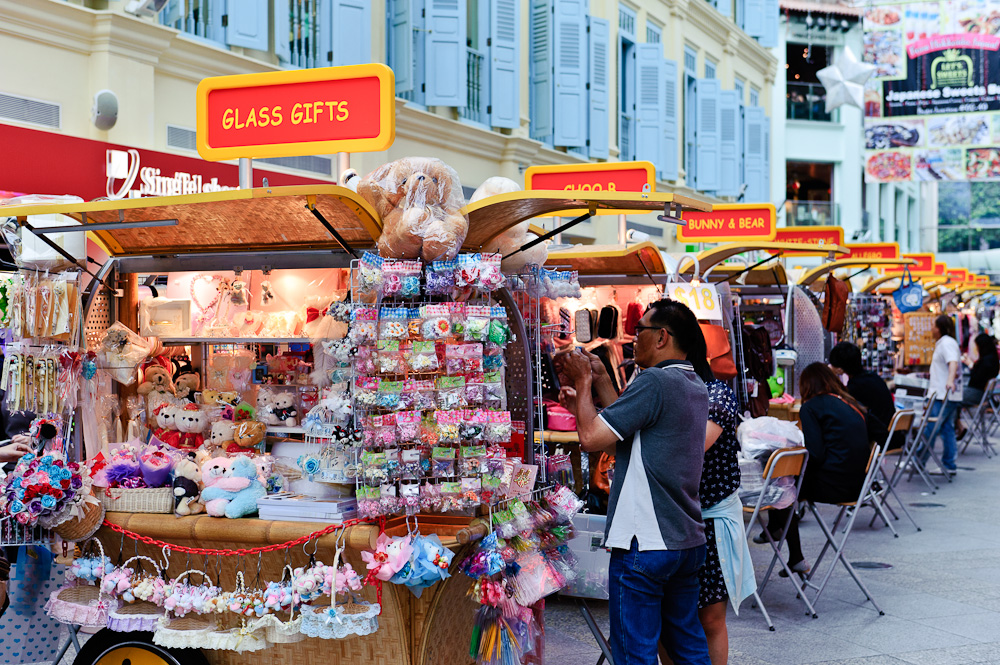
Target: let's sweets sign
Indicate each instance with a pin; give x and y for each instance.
(933, 108)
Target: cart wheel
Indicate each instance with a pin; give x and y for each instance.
(110, 648)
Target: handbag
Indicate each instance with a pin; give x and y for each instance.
(720, 352)
(834, 304)
(909, 296)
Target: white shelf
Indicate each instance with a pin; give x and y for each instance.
(179, 341)
(274, 429)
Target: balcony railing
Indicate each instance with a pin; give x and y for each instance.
(812, 213)
(625, 136)
(475, 95)
(807, 101)
(305, 26)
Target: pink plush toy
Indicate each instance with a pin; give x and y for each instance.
(213, 471)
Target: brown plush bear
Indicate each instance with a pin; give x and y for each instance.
(156, 378)
(419, 200)
(246, 436)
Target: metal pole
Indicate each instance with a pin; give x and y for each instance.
(622, 229)
(343, 163)
(246, 173)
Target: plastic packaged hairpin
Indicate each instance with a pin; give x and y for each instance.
(451, 496)
(408, 426)
(491, 276)
(436, 322)
(385, 430)
(422, 357)
(494, 393)
(390, 357)
(392, 281)
(474, 390)
(409, 497)
(457, 312)
(499, 331)
(369, 274)
(440, 278)
(388, 394)
(471, 460)
(498, 429)
(473, 426)
(443, 462)
(448, 426)
(394, 323)
(364, 326)
(409, 274)
(366, 391)
(477, 323)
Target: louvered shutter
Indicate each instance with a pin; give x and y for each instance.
(728, 153)
(541, 69)
(769, 32)
(753, 18)
(281, 22)
(599, 90)
(505, 63)
(669, 160)
(352, 29)
(754, 156)
(707, 136)
(446, 53)
(401, 22)
(649, 100)
(570, 73)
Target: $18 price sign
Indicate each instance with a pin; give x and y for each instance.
(703, 299)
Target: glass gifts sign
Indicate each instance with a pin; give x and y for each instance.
(299, 112)
(729, 222)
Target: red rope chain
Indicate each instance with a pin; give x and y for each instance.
(241, 552)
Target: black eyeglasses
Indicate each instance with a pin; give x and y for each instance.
(639, 328)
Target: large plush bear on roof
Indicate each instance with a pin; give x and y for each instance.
(516, 236)
(420, 201)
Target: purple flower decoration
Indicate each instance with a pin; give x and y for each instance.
(35, 506)
(76, 483)
(69, 496)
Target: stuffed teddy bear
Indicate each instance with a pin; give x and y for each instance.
(235, 488)
(516, 236)
(246, 436)
(284, 409)
(220, 435)
(419, 200)
(187, 487)
(192, 422)
(186, 385)
(156, 378)
(166, 424)
(265, 407)
(213, 471)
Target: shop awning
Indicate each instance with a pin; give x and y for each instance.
(710, 257)
(492, 216)
(812, 275)
(263, 219)
(640, 259)
(874, 284)
(772, 274)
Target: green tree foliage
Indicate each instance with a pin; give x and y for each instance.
(968, 203)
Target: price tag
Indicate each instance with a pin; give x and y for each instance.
(702, 299)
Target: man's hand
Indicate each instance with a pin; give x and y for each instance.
(950, 385)
(597, 368)
(567, 397)
(15, 450)
(576, 367)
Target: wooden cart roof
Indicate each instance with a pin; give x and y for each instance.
(812, 275)
(261, 219)
(718, 254)
(772, 274)
(639, 259)
(492, 216)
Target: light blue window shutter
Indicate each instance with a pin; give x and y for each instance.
(401, 21)
(282, 28)
(707, 136)
(753, 175)
(767, 160)
(446, 53)
(352, 30)
(570, 73)
(769, 35)
(246, 24)
(671, 137)
(214, 28)
(324, 33)
(649, 101)
(753, 19)
(505, 61)
(728, 154)
(541, 52)
(725, 7)
(599, 90)
(171, 12)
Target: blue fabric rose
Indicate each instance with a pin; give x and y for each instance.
(48, 501)
(15, 507)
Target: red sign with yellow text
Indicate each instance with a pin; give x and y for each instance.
(983, 280)
(729, 222)
(608, 177)
(924, 265)
(809, 235)
(957, 275)
(297, 112)
(873, 250)
(940, 269)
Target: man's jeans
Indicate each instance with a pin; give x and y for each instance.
(946, 419)
(654, 597)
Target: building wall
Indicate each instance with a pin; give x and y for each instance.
(67, 51)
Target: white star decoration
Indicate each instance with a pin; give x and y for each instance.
(845, 81)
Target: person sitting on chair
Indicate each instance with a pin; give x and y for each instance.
(986, 367)
(869, 390)
(833, 424)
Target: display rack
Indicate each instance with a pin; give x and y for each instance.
(869, 326)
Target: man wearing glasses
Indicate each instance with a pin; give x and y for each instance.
(656, 430)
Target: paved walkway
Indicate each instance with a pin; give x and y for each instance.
(941, 596)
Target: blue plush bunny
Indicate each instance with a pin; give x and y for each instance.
(239, 486)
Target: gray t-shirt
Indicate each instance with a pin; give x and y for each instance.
(660, 422)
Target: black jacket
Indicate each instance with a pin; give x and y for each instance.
(983, 370)
(837, 439)
(872, 393)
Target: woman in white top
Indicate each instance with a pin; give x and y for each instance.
(946, 386)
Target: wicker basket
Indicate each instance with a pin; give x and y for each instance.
(143, 500)
(81, 528)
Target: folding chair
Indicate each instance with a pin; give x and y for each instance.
(838, 546)
(783, 463)
(881, 488)
(976, 424)
(909, 459)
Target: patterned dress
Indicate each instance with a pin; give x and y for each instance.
(720, 477)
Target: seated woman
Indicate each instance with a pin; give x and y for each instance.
(836, 436)
(986, 367)
(869, 390)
